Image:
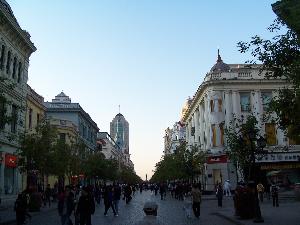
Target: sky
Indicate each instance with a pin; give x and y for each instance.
(147, 56)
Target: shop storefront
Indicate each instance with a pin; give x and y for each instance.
(9, 174)
(282, 168)
(218, 169)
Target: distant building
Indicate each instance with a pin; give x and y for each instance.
(108, 146)
(61, 108)
(119, 131)
(15, 50)
(174, 137)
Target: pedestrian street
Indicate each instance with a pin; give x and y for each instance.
(170, 211)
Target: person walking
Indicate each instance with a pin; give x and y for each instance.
(66, 206)
(108, 199)
(21, 209)
(85, 207)
(219, 194)
(227, 188)
(260, 190)
(127, 193)
(48, 196)
(117, 192)
(196, 198)
(274, 189)
(162, 190)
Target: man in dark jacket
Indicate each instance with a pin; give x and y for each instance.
(66, 206)
(85, 207)
(108, 199)
(116, 197)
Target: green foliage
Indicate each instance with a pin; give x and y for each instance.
(241, 136)
(281, 59)
(128, 175)
(184, 163)
(37, 149)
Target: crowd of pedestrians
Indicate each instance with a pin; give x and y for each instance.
(78, 204)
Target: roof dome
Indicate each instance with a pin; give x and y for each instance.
(220, 66)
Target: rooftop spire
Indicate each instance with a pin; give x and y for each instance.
(219, 57)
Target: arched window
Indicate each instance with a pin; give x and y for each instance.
(2, 57)
(8, 62)
(14, 68)
(19, 72)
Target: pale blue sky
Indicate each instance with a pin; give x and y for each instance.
(146, 55)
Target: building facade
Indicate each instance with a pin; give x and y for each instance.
(35, 110)
(108, 146)
(61, 108)
(15, 50)
(174, 137)
(228, 91)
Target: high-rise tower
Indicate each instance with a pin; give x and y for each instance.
(119, 131)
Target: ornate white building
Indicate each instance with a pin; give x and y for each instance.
(15, 50)
(173, 137)
(230, 90)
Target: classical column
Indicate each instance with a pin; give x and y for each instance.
(201, 127)
(196, 123)
(236, 107)
(228, 108)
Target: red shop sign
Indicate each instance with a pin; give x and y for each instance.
(217, 159)
(10, 161)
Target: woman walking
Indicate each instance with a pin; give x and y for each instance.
(219, 193)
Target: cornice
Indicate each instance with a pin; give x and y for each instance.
(7, 22)
(234, 82)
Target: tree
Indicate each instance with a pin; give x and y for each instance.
(128, 175)
(183, 164)
(35, 154)
(241, 138)
(281, 59)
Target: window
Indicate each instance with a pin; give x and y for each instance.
(8, 62)
(14, 118)
(270, 133)
(2, 114)
(220, 105)
(38, 118)
(214, 135)
(14, 68)
(192, 131)
(222, 133)
(266, 99)
(2, 57)
(294, 142)
(212, 105)
(30, 119)
(62, 137)
(19, 72)
(245, 102)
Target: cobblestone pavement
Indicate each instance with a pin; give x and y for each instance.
(170, 212)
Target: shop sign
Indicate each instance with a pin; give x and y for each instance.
(278, 166)
(280, 157)
(10, 161)
(217, 159)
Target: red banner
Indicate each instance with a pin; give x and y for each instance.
(10, 161)
(217, 159)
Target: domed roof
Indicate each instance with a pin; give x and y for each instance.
(220, 66)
